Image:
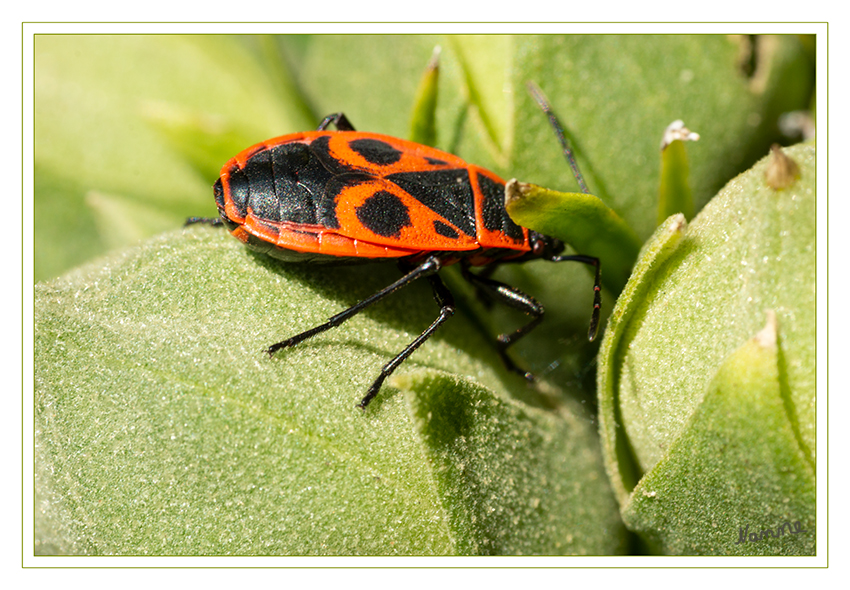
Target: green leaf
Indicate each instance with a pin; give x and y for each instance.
(675, 195)
(581, 220)
(737, 481)
(163, 428)
(423, 126)
(164, 340)
(515, 479)
(696, 296)
(622, 470)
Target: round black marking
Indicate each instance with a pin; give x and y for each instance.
(445, 230)
(384, 214)
(376, 151)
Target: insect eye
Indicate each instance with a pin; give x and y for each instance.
(538, 247)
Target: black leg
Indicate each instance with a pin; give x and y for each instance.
(206, 220)
(516, 299)
(528, 305)
(597, 289)
(445, 300)
(337, 119)
(429, 269)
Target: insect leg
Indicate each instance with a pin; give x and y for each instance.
(204, 220)
(597, 288)
(446, 301)
(339, 120)
(514, 298)
(429, 267)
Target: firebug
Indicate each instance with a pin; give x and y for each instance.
(344, 196)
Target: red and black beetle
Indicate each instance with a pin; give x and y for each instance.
(334, 196)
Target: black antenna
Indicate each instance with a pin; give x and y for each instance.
(538, 95)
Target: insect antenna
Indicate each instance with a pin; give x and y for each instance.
(538, 95)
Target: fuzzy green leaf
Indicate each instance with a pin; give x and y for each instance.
(737, 481)
(583, 221)
(515, 479)
(163, 428)
(140, 146)
(691, 303)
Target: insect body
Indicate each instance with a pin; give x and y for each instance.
(341, 196)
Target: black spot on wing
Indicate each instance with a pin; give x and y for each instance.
(446, 192)
(494, 214)
(384, 214)
(445, 230)
(376, 151)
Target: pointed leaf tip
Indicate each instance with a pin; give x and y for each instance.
(781, 172)
(766, 337)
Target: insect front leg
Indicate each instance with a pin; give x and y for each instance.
(597, 288)
(515, 298)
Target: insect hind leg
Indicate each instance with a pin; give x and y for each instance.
(442, 295)
(339, 120)
(445, 300)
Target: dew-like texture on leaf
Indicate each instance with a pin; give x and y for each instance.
(163, 428)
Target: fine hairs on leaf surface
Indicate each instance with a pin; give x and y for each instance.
(707, 430)
(235, 453)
